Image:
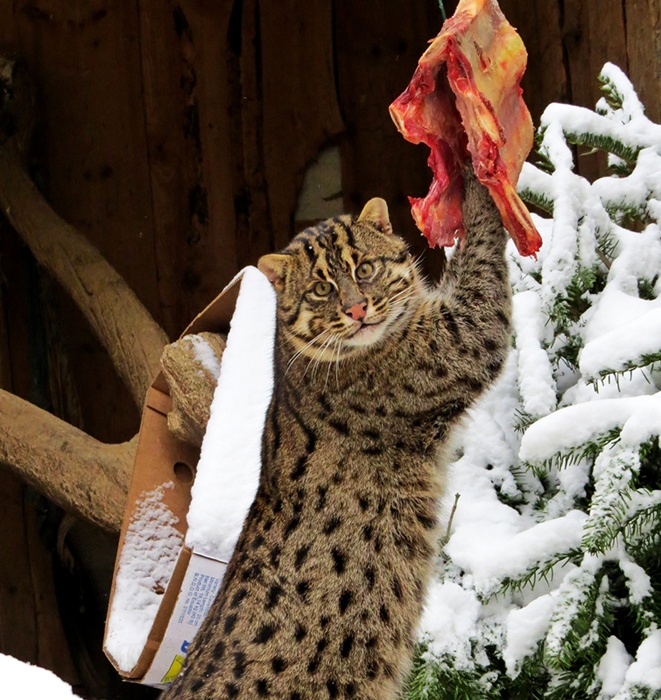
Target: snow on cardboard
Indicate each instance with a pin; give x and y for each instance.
(176, 540)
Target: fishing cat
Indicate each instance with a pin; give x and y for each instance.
(373, 369)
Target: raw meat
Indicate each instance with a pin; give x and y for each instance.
(464, 98)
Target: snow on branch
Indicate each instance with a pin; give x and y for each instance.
(552, 562)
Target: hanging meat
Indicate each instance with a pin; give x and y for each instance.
(465, 98)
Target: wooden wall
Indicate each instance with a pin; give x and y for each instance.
(176, 133)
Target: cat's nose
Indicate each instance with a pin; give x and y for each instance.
(357, 311)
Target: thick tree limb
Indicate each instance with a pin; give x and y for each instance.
(133, 340)
(81, 474)
(77, 472)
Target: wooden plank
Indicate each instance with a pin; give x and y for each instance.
(18, 636)
(643, 37)
(187, 117)
(218, 258)
(53, 649)
(254, 229)
(85, 57)
(593, 34)
(299, 99)
(30, 628)
(18, 630)
(378, 47)
(538, 24)
(8, 33)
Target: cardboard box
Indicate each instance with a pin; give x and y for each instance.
(166, 466)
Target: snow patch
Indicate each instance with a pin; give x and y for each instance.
(525, 629)
(151, 548)
(449, 622)
(228, 471)
(21, 681)
(612, 668)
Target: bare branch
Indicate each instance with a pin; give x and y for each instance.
(133, 340)
(79, 473)
(191, 367)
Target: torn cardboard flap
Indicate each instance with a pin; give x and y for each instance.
(162, 588)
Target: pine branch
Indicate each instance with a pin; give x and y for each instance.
(581, 622)
(537, 199)
(587, 451)
(645, 361)
(543, 571)
(602, 142)
(646, 288)
(628, 216)
(543, 162)
(611, 500)
(522, 420)
(432, 679)
(612, 95)
(642, 523)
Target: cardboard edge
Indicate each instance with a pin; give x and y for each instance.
(215, 317)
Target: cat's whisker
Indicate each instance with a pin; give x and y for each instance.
(328, 369)
(312, 359)
(319, 354)
(338, 341)
(408, 291)
(403, 296)
(312, 362)
(304, 348)
(332, 340)
(417, 260)
(337, 364)
(400, 302)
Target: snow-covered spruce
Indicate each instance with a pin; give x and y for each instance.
(550, 583)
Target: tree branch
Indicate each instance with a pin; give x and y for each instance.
(133, 340)
(79, 473)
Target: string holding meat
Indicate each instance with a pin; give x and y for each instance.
(465, 98)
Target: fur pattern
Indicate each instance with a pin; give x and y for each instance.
(373, 369)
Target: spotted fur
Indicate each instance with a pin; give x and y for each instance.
(373, 369)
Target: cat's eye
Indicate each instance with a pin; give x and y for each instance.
(323, 289)
(364, 270)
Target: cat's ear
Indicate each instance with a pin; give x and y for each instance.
(273, 266)
(376, 211)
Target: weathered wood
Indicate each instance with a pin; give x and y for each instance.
(643, 38)
(129, 334)
(254, 227)
(377, 52)
(593, 34)
(65, 464)
(539, 25)
(18, 635)
(187, 114)
(92, 164)
(30, 628)
(52, 650)
(86, 55)
(8, 33)
(299, 99)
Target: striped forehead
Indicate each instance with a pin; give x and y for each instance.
(329, 245)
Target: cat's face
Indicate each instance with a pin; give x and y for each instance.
(342, 285)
